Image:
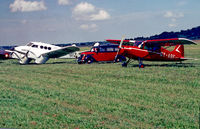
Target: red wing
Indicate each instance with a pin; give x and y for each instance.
(169, 42)
(125, 42)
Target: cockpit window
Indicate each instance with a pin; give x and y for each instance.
(29, 44)
(35, 46)
(152, 47)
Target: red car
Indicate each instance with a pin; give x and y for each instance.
(4, 55)
(104, 53)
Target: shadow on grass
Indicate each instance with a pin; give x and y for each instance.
(63, 62)
(59, 62)
(185, 65)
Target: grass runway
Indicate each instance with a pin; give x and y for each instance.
(63, 94)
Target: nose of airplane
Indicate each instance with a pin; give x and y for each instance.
(17, 48)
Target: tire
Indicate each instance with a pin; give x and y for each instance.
(89, 61)
(141, 65)
(124, 64)
(118, 60)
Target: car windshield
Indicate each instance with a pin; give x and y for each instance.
(92, 49)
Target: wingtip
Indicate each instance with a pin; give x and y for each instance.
(191, 41)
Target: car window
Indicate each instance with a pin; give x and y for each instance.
(116, 49)
(110, 49)
(102, 49)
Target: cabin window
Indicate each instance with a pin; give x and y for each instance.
(41, 47)
(45, 47)
(152, 47)
(49, 48)
(147, 47)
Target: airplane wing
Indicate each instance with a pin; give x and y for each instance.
(61, 52)
(157, 42)
(169, 42)
(125, 42)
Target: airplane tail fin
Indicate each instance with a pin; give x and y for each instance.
(179, 50)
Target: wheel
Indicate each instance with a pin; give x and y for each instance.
(118, 60)
(79, 62)
(89, 61)
(141, 65)
(124, 64)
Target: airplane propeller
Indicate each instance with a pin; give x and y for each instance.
(120, 45)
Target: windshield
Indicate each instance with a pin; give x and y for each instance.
(29, 44)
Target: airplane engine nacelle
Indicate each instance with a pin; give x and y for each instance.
(41, 60)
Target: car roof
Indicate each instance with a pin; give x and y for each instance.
(112, 45)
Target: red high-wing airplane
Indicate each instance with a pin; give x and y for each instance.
(152, 50)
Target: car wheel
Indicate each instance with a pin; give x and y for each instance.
(118, 60)
(89, 61)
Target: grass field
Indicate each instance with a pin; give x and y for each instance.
(63, 94)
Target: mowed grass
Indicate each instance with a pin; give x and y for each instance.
(63, 94)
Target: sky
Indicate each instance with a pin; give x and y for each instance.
(71, 21)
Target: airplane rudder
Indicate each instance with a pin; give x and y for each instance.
(179, 50)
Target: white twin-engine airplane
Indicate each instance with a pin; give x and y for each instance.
(40, 52)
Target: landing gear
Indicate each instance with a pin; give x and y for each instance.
(141, 65)
(126, 63)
